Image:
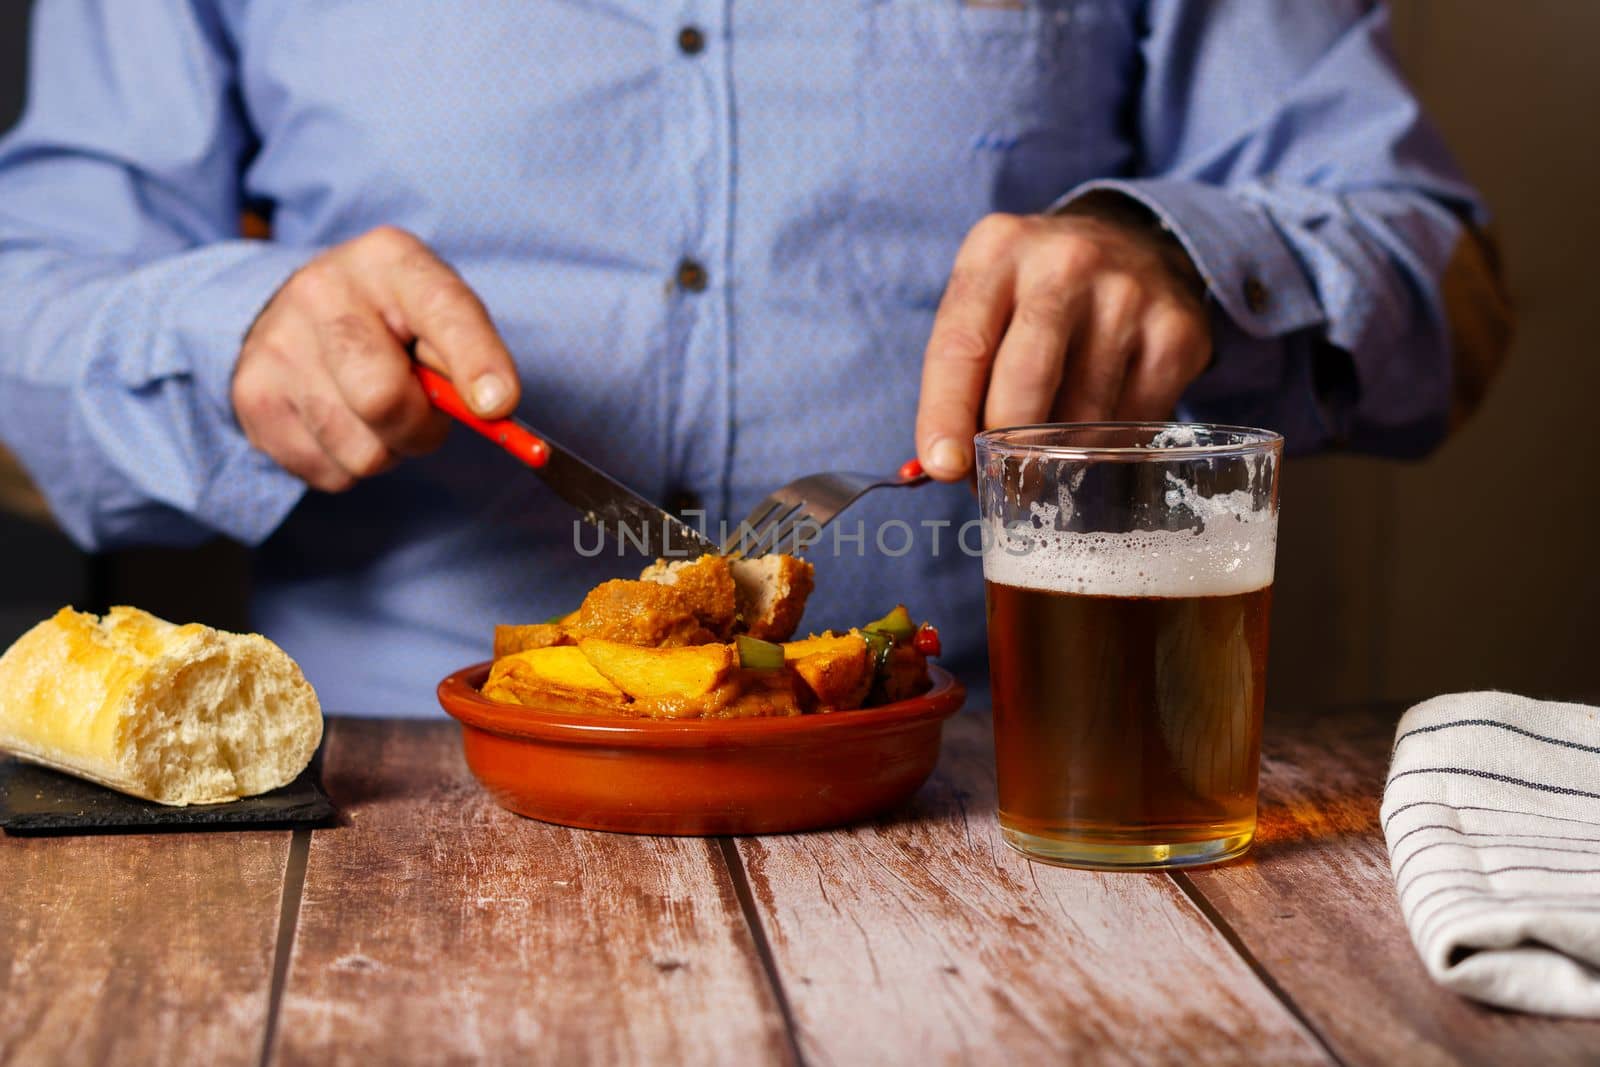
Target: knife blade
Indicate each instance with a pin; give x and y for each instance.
(601, 500)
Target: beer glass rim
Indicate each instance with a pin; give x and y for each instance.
(1052, 439)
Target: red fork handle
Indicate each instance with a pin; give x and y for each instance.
(507, 433)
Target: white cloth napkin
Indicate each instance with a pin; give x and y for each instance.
(1492, 814)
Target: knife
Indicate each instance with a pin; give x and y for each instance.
(600, 499)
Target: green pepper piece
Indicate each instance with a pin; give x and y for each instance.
(758, 655)
(879, 645)
(557, 617)
(897, 624)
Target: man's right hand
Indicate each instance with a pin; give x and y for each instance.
(324, 383)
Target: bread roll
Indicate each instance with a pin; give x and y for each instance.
(175, 714)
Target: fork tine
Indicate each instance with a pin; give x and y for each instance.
(747, 537)
(770, 535)
(752, 522)
(762, 512)
(786, 530)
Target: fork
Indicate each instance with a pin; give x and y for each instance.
(808, 504)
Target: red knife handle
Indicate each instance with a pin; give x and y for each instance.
(508, 434)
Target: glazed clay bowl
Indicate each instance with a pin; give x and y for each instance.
(692, 776)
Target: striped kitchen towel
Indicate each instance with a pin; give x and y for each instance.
(1492, 814)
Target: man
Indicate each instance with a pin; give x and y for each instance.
(711, 246)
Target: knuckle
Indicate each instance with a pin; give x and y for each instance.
(417, 258)
(1041, 314)
(251, 404)
(319, 414)
(1001, 226)
(380, 398)
(389, 240)
(368, 458)
(1121, 296)
(259, 349)
(961, 345)
(1178, 335)
(447, 301)
(1075, 254)
(250, 371)
(348, 337)
(994, 233)
(317, 284)
(258, 404)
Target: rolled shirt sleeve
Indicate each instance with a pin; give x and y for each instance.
(1280, 146)
(127, 291)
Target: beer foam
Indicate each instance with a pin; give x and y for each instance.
(1231, 552)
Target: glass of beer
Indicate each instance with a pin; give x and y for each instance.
(1128, 569)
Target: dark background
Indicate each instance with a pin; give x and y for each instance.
(1473, 569)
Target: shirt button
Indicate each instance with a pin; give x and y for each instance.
(692, 276)
(1256, 296)
(691, 41)
(680, 501)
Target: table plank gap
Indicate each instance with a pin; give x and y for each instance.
(922, 938)
(752, 917)
(1314, 904)
(1265, 976)
(436, 926)
(138, 948)
(294, 880)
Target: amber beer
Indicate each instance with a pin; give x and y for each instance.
(1128, 720)
(1128, 568)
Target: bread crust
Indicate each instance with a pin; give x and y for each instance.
(174, 714)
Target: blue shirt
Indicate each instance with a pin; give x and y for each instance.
(821, 161)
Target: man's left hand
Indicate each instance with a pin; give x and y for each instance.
(1062, 318)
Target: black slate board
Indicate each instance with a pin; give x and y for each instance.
(37, 801)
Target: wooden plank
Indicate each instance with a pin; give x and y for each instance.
(1315, 905)
(923, 939)
(437, 927)
(138, 949)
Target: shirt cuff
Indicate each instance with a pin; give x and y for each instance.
(213, 298)
(1248, 267)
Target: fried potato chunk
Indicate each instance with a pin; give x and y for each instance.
(638, 613)
(555, 677)
(705, 583)
(771, 594)
(687, 674)
(837, 669)
(762, 695)
(511, 639)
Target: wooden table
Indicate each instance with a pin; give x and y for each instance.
(433, 927)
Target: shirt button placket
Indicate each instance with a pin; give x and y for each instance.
(701, 100)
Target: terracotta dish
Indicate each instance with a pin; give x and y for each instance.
(700, 776)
